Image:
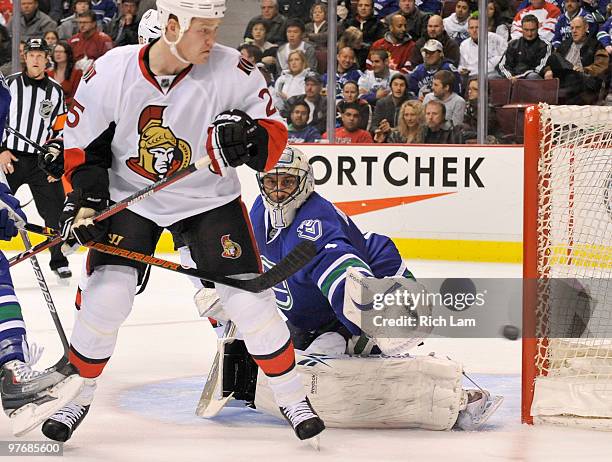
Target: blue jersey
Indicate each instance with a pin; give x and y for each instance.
(563, 29)
(422, 77)
(5, 103)
(605, 33)
(314, 296)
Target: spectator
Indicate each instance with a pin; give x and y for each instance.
(353, 38)
(64, 72)
(51, 38)
(316, 29)
(386, 112)
(259, 31)
(105, 11)
(7, 67)
(547, 15)
(346, 70)
(422, 77)
(374, 84)
(469, 127)
(398, 44)
(5, 50)
(442, 90)
(277, 22)
(604, 35)
(563, 29)
(295, 34)
(299, 130)
(438, 130)
(295, 9)
(410, 126)
(525, 57)
(41, 123)
(89, 43)
(457, 23)
(350, 94)
(580, 63)
(292, 80)
(349, 132)
(496, 22)
(435, 31)
(366, 22)
(70, 26)
(416, 20)
(597, 8)
(316, 102)
(124, 28)
(33, 22)
(253, 55)
(6, 10)
(430, 6)
(468, 64)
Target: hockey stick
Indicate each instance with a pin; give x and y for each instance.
(294, 261)
(25, 139)
(209, 404)
(118, 206)
(42, 283)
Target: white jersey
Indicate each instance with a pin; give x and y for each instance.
(159, 125)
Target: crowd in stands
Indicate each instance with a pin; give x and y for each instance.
(401, 64)
(407, 69)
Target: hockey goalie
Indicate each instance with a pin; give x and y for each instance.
(357, 373)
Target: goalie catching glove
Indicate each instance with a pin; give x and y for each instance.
(52, 161)
(76, 220)
(234, 138)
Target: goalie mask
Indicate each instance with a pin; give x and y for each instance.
(286, 187)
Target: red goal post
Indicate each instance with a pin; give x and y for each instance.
(567, 266)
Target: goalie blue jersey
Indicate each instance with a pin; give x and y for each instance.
(314, 296)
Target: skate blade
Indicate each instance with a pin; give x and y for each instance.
(211, 409)
(315, 442)
(30, 416)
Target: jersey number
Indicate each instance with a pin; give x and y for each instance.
(270, 109)
(76, 109)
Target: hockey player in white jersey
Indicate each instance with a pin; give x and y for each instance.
(139, 115)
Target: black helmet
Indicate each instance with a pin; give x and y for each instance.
(36, 44)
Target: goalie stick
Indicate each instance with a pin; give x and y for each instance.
(118, 206)
(293, 262)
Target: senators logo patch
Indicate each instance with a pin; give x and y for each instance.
(160, 152)
(231, 249)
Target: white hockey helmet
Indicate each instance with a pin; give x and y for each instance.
(292, 162)
(185, 11)
(148, 27)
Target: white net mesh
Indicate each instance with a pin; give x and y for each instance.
(574, 308)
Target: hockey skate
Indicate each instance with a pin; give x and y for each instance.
(304, 421)
(61, 425)
(479, 407)
(29, 397)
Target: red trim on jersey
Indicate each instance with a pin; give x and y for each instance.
(247, 220)
(278, 363)
(73, 157)
(211, 153)
(87, 367)
(78, 299)
(143, 64)
(277, 140)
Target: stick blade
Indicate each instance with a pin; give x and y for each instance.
(291, 264)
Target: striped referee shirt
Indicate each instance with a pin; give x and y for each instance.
(38, 111)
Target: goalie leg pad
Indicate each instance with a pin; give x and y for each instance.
(377, 392)
(239, 372)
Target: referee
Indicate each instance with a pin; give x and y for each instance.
(37, 111)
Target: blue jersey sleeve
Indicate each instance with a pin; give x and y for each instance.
(5, 103)
(604, 33)
(12, 327)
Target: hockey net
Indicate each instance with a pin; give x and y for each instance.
(567, 299)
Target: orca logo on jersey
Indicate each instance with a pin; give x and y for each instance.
(160, 152)
(231, 249)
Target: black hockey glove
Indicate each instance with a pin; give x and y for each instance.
(76, 224)
(232, 140)
(52, 161)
